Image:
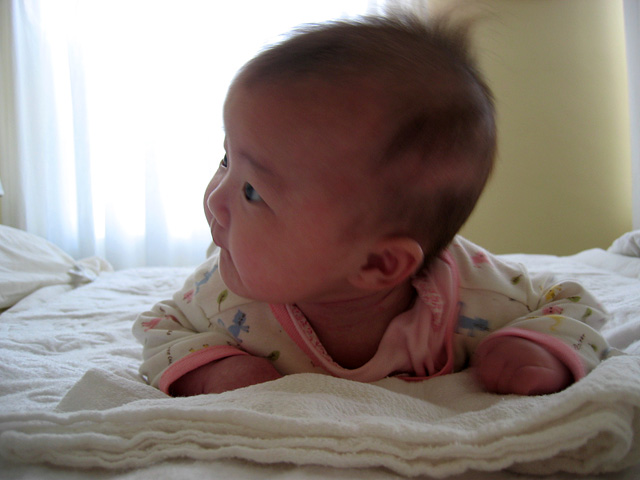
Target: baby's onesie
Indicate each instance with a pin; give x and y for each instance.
(465, 299)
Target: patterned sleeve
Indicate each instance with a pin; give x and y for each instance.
(189, 331)
(565, 321)
(560, 315)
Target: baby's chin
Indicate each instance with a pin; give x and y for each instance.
(230, 275)
(233, 281)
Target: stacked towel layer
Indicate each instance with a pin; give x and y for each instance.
(440, 427)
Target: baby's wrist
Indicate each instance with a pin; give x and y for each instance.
(563, 352)
(516, 365)
(223, 375)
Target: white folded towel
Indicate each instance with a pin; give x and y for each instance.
(439, 427)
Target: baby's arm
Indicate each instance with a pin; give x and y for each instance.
(547, 350)
(185, 349)
(227, 374)
(541, 334)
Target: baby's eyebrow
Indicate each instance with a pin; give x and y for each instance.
(261, 167)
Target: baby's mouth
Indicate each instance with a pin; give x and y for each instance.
(215, 235)
(218, 243)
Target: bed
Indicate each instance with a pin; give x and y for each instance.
(72, 405)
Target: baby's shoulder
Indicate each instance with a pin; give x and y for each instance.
(477, 266)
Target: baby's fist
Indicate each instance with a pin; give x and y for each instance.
(516, 365)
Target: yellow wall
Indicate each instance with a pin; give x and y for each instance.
(563, 177)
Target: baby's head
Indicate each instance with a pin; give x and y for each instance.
(385, 122)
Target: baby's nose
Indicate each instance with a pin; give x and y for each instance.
(215, 203)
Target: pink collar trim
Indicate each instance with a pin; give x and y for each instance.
(417, 344)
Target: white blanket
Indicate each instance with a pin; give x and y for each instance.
(442, 427)
(70, 396)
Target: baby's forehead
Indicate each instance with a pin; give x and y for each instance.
(353, 113)
(358, 93)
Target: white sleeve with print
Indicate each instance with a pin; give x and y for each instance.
(502, 298)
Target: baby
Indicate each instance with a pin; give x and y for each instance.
(355, 151)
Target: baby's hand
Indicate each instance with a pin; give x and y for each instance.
(520, 366)
(227, 374)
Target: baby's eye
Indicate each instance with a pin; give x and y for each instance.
(251, 194)
(225, 161)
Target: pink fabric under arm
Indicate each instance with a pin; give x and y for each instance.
(196, 359)
(558, 348)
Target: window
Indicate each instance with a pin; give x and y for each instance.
(113, 126)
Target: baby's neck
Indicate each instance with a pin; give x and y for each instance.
(351, 330)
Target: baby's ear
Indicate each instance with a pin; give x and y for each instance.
(389, 263)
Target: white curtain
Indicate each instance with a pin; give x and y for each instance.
(110, 115)
(632, 31)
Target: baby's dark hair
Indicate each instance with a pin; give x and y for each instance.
(440, 148)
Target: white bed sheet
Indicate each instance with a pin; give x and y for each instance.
(49, 340)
